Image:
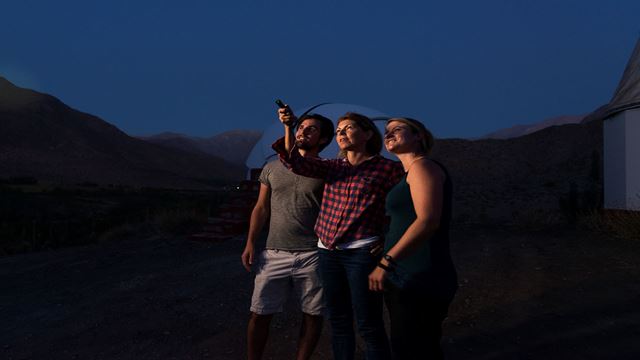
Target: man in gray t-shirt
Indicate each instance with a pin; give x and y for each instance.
(289, 264)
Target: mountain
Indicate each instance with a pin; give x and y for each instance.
(541, 177)
(41, 137)
(234, 146)
(520, 130)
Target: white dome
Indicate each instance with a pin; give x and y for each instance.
(262, 151)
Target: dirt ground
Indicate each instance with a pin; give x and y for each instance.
(552, 294)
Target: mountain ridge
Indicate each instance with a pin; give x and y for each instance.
(525, 129)
(234, 145)
(42, 137)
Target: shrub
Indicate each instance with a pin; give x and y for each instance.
(19, 180)
(179, 221)
(622, 223)
(62, 217)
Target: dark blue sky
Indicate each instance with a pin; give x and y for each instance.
(465, 68)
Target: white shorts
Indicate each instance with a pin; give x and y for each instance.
(279, 272)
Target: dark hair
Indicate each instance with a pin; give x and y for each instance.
(418, 128)
(326, 128)
(374, 144)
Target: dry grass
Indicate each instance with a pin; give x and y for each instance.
(42, 220)
(166, 222)
(121, 232)
(537, 219)
(179, 221)
(622, 223)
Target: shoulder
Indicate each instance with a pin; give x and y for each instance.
(379, 159)
(394, 163)
(271, 165)
(426, 169)
(394, 167)
(333, 161)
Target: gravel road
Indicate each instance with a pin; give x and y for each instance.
(554, 294)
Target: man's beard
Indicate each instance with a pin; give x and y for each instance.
(301, 144)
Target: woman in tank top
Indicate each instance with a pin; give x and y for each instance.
(416, 271)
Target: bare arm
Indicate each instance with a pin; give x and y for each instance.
(426, 182)
(288, 120)
(259, 216)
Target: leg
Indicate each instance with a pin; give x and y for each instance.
(270, 291)
(257, 334)
(309, 334)
(416, 324)
(308, 288)
(338, 303)
(367, 305)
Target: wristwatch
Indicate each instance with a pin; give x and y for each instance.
(389, 259)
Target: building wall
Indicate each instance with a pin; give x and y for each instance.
(622, 161)
(615, 185)
(632, 127)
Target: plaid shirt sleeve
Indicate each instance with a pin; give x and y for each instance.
(305, 166)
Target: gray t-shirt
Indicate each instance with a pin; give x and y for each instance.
(295, 203)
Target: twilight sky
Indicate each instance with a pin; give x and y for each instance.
(465, 68)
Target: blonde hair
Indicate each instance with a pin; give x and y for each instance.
(426, 144)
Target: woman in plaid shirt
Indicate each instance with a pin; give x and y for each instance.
(350, 225)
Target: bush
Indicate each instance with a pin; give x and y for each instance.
(622, 223)
(36, 221)
(122, 232)
(179, 221)
(19, 180)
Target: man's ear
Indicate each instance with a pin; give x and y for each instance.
(369, 134)
(324, 140)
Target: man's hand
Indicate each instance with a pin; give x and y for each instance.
(247, 256)
(286, 116)
(288, 119)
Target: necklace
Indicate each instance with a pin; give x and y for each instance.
(413, 162)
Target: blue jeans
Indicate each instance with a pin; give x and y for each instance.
(345, 280)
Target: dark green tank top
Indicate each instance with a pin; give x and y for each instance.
(430, 268)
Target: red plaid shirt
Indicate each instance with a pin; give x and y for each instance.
(353, 200)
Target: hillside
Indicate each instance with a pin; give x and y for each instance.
(234, 146)
(521, 130)
(544, 176)
(539, 178)
(41, 137)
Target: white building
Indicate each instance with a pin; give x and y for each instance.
(622, 140)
